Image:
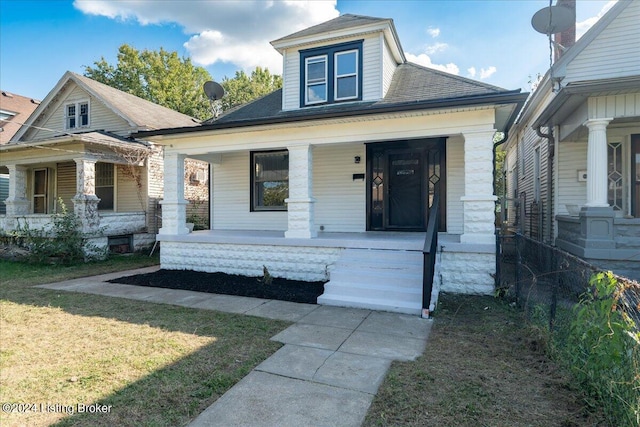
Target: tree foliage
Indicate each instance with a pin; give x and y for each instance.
(244, 88)
(160, 76)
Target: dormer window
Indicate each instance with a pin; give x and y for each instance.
(77, 115)
(331, 74)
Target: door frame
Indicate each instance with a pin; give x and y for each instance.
(424, 146)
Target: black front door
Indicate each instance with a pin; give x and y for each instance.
(402, 177)
(405, 196)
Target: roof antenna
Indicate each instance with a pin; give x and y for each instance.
(214, 92)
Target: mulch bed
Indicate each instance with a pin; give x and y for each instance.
(228, 284)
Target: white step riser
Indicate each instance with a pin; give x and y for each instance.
(376, 294)
(386, 305)
(365, 282)
(381, 257)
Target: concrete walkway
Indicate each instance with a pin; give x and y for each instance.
(326, 374)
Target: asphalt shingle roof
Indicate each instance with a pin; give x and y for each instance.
(22, 107)
(411, 84)
(341, 22)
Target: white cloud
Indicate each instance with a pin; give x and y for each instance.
(435, 48)
(471, 71)
(485, 73)
(433, 32)
(583, 26)
(238, 32)
(424, 60)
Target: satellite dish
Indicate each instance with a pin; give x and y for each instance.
(552, 20)
(213, 90)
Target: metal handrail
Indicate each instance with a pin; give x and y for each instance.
(429, 254)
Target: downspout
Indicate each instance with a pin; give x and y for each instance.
(496, 278)
(551, 153)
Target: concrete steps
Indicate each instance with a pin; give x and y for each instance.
(386, 280)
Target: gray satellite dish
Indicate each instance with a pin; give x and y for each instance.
(213, 91)
(552, 20)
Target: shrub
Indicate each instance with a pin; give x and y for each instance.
(64, 243)
(602, 352)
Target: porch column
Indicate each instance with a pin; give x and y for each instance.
(17, 202)
(85, 202)
(300, 201)
(174, 206)
(478, 200)
(597, 163)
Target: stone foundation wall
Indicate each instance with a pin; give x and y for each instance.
(468, 272)
(114, 224)
(290, 262)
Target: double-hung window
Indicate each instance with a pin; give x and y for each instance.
(331, 74)
(77, 115)
(269, 180)
(105, 174)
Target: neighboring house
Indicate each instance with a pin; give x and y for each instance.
(76, 147)
(332, 177)
(573, 156)
(14, 109)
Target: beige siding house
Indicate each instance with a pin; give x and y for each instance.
(334, 176)
(573, 156)
(76, 147)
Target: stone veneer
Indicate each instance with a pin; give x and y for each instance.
(290, 262)
(467, 272)
(114, 224)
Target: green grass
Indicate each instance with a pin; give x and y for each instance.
(153, 364)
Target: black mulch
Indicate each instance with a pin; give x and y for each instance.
(228, 284)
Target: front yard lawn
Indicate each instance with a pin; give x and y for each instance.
(143, 363)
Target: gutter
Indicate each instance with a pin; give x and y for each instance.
(550, 155)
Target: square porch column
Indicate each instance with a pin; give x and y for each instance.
(300, 201)
(478, 200)
(17, 202)
(85, 201)
(174, 206)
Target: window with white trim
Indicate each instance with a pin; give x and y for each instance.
(331, 74)
(77, 115)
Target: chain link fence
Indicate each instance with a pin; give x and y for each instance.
(547, 282)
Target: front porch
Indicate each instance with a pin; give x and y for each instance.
(368, 269)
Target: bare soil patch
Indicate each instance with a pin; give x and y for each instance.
(483, 366)
(229, 284)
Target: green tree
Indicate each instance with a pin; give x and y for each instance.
(160, 76)
(244, 88)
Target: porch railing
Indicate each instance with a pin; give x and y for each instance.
(429, 254)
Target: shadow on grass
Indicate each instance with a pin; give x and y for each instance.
(174, 394)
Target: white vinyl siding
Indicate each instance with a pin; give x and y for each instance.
(231, 193)
(101, 117)
(388, 67)
(455, 184)
(572, 156)
(340, 201)
(615, 52)
(371, 68)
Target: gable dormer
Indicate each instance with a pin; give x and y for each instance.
(348, 59)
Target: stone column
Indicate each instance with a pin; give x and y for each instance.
(85, 202)
(174, 206)
(597, 163)
(17, 202)
(300, 202)
(478, 200)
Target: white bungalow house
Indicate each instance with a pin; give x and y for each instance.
(333, 176)
(573, 156)
(76, 146)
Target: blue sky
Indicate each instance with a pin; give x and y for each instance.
(491, 41)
